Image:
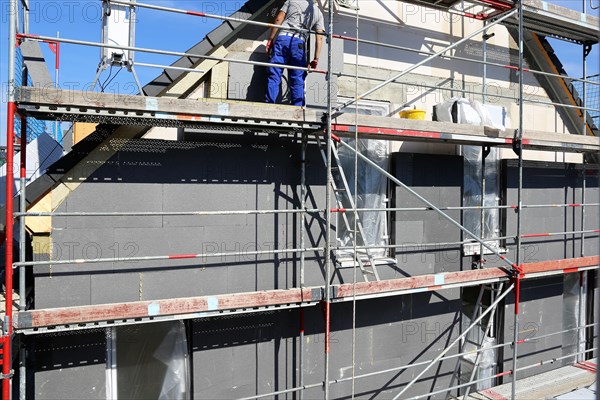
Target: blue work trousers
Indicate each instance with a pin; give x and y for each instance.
(288, 50)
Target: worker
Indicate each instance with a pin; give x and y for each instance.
(288, 47)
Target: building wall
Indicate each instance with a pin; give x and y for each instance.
(67, 365)
(238, 356)
(247, 355)
(146, 175)
(547, 304)
(244, 355)
(551, 183)
(416, 229)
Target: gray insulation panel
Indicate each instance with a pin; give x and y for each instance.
(245, 355)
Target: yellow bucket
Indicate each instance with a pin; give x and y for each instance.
(413, 114)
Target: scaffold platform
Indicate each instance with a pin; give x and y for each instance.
(69, 105)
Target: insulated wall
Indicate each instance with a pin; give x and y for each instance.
(548, 304)
(67, 365)
(244, 355)
(439, 179)
(241, 173)
(238, 355)
(247, 355)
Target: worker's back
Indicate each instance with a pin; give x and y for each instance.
(302, 14)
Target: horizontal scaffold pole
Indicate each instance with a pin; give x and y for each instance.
(165, 52)
(212, 16)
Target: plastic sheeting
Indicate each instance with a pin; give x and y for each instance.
(486, 364)
(173, 352)
(571, 317)
(371, 189)
(152, 362)
(472, 156)
(476, 338)
(474, 113)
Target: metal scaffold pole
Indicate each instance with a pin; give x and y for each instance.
(208, 15)
(471, 91)
(581, 336)
(357, 259)
(327, 304)
(454, 57)
(22, 219)
(291, 211)
(22, 245)
(303, 144)
(25, 4)
(165, 52)
(585, 50)
(519, 254)
(8, 261)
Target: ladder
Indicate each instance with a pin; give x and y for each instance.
(344, 199)
(485, 328)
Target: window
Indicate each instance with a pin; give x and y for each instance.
(472, 192)
(371, 184)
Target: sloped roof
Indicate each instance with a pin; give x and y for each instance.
(42, 152)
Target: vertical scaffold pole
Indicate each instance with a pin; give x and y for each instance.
(583, 275)
(56, 80)
(519, 209)
(22, 240)
(327, 308)
(355, 227)
(303, 145)
(23, 209)
(483, 100)
(25, 16)
(484, 79)
(581, 334)
(584, 88)
(482, 203)
(10, 135)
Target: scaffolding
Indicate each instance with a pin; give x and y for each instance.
(312, 126)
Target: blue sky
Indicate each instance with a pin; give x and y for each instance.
(81, 20)
(570, 54)
(160, 30)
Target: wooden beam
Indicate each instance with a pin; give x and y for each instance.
(166, 307)
(422, 282)
(567, 265)
(191, 79)
(196, 305)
